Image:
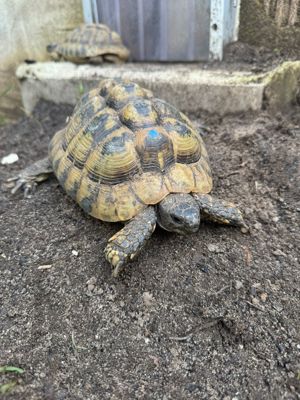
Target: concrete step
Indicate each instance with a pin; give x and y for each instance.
(190, 87)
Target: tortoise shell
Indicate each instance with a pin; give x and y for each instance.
(91, 41)
(124, 149)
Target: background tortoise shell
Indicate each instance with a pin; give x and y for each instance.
(92, 40)
(124, 149)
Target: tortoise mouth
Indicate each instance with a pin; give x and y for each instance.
(187, 231)
(180, 229)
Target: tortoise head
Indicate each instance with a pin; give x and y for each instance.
(51, 47)
(180, 213)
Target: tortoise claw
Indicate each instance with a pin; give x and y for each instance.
(29, 189)
(245, 228)
(116, 257)
(125, 245)
(17, 183)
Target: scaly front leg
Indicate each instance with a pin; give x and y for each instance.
(220, 211)
(128, 242)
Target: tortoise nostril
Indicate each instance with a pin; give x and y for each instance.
(176, 219)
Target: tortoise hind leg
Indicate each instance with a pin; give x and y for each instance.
(28, 178)
(128, 242)
(113, 58)
(220, 211)
(95, 60)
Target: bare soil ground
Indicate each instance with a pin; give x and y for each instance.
(210, 316)
(243, 56)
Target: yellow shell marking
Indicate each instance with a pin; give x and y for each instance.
(150, 187)
(87, 188)
(131, 116)
(179, 179)
(203, 178)
(83, 114)
(128, 203)
(119, 158)
(187, 146)
(72, 181)
(114, 158)
(118, 94)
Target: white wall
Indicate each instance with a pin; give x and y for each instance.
(26, 27)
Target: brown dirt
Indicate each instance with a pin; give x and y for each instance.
(211, 316)
(257, 28)
(243, 56)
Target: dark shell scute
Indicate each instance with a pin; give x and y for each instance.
(115, 145)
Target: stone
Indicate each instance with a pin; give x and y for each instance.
(189, 87)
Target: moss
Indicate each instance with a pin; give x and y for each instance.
(247, 79)
(3, 120)
(282, 85)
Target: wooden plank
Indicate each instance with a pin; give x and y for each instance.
(216, 30)
(87, 11)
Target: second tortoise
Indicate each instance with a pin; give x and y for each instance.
(128, 156)
(91, 43)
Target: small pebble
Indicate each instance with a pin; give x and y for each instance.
(279, 253)
(253, 290)
(203, 268)
(191, 387)
(148, 299)
(257, 226)
(9, 159)
(75, 253)
(92, 281)
(90, 287)
(214, 248)
(257, 285)
(11, 313)
(281, 348)
(238, 285)
(46, 266)
(255, 301)
(263, 297)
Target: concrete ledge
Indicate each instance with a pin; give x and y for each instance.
(188, 87)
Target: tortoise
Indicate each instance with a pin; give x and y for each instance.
(93, 43)
(128, 156)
